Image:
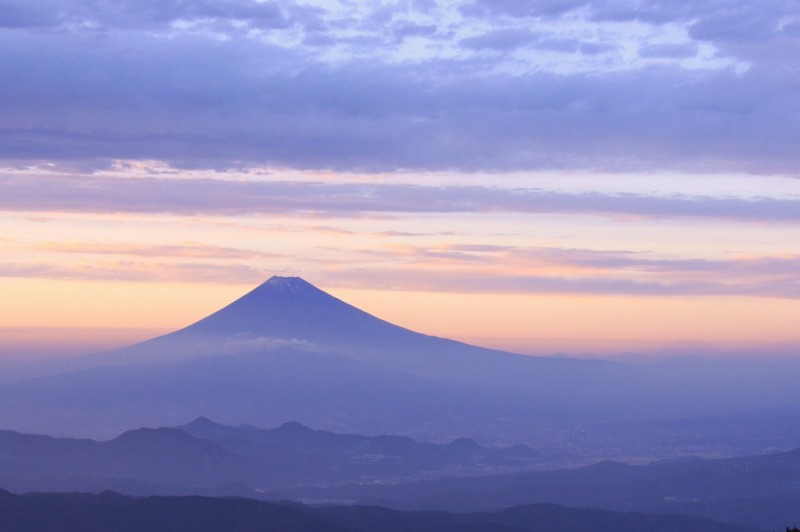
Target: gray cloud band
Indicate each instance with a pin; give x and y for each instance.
(231, 198)
(438, 280)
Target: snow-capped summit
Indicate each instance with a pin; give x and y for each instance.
(296, 285)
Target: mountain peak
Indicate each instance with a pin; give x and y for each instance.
(277, 281)
(201, 422)
(158, 436)
(295, 428)
(285, 286)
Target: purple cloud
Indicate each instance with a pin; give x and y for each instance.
(501, 40)
(222, 197)
(669, 50)
(138, 271)
(480, 281)
(187, 250)
(402, 30)
(523, 9)
(278, 84)
(103, 16)
(455, 267)
(377, 118)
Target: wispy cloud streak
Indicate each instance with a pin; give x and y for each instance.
(185, 250)
(479, 268)
(496, 282)
(232, 198)
(542, 270)
(137, 271)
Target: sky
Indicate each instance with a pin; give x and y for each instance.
(559, 176)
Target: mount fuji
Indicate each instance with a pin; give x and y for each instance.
(289, 312)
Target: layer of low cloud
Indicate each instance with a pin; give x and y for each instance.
(153, 271)
(464, 281)
(552, 270)
(183, 250)
(474, 85)
(233, 198)
(464, 268)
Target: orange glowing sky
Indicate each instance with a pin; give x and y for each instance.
(548, 177)
(537, 282)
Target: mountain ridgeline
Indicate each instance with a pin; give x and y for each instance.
(203, 456)
(295, 462)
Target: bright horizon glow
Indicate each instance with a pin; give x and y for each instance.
(117, 314)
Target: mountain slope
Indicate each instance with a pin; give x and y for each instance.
(162, 455)
(290, 312)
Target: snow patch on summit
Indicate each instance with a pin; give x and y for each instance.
(287, 284)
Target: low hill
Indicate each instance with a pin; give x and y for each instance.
(111, 511)
(760, 491)
(204, 456)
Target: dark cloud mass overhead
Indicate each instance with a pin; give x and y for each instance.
(486, 85)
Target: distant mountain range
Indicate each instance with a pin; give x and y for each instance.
(208, 456)
(294, 462)
(111, 511)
